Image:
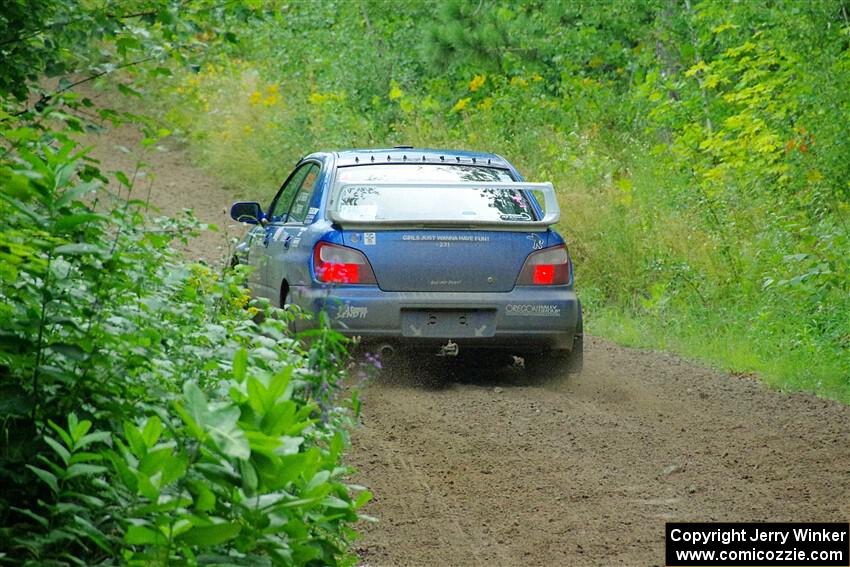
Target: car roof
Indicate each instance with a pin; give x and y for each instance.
(409, 154)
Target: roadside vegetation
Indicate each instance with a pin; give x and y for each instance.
(699, 147)
(146, 417)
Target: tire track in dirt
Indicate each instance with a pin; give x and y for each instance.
(471, 466)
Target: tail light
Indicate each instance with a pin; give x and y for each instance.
(342, 265)
(550, 266)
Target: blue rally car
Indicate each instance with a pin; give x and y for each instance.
(439, 250)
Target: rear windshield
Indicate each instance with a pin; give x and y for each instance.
(360, 201)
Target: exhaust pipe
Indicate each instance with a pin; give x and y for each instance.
(386, 351)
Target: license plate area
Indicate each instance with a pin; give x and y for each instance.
(448, 323)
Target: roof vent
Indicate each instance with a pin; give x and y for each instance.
(442, 158)
(423, 158)
(404, 158)
(488, 162)
(356, 159)
(473, 160)
(373, 159)
(458, 159)
(388, 157)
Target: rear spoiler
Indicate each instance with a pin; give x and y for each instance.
(550, 206)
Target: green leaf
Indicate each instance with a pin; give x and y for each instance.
(229, 438)
(72, 351)
(62, 433)
(153, 461)
(319, 479)
(249, 476)
(143, 535)
(122, 178)
(334, 502)
(135, 439)
(97, 536)
(77, 429)
(42, 521)
(72, 221)
(152, 431)
(85, 456)
(147, 488)
(196, 404)
(79, 249)
(47, 477)
(204, 497)
(175, 468)
(240, 365)
(256, 395)
(206, 536)
(96, 437)
(84, 469)
(280, 383)
(63, 453)
(76, 192)
(362, 499)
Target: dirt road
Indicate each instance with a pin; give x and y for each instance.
(481, 467)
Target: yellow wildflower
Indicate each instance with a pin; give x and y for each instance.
(477, 82)
(255, 98)
(485, 104)
(461, 104)
(270, 101)
(316, 98)
(248, 130)
(518, 81)
(396, 92)
(272, 89)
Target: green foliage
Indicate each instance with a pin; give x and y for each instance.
(699, 147)
(56, 38)
(205, 436)
(147, 418)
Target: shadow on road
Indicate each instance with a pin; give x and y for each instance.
(439, 373)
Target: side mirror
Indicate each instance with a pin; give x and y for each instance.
(247, 212)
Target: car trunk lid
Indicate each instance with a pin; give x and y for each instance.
(445, 260)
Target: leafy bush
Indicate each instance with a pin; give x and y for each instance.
(146, 417)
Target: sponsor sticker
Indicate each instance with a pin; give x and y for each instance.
(532, 310)
(536, 242)
(350, 312)
(369, 238)
(445, 238)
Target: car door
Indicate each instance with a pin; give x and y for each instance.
(262, 235)
(285, 230)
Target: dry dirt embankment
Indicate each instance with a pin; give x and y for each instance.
(479, 467)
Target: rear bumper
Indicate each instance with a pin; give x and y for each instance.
(524, 318)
